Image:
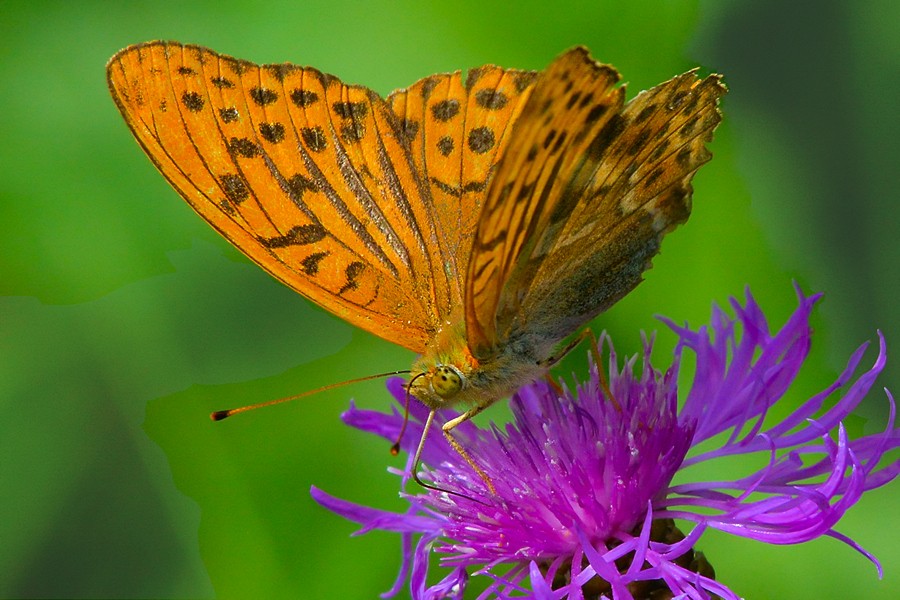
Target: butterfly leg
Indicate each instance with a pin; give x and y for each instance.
(458, 447)
(598, 360)
(419, 448)
(448, 427)
(552, 360)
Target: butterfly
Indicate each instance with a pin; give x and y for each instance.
(478, 221)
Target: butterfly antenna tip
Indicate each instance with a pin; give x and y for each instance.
(223, 414)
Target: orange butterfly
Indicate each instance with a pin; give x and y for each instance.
(477, 221)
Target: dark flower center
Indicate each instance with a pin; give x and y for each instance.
(662, 530)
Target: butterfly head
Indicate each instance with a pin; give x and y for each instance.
(449, 374)
(445, 373)
(447, 381)
(438, 385)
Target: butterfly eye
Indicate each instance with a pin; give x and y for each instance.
(446, 381)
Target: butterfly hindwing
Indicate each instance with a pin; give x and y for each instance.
(639, 189)
(572, 92)
(458, 128)
(583, 197)
(307, 176)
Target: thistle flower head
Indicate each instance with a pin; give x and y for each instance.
(584, 498)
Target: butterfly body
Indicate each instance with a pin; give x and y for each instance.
(477, 221)
(447, 374)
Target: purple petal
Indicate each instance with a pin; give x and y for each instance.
(373, 518)
(578, 471)
(540, 589)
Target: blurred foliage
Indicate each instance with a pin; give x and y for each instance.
(124, 319)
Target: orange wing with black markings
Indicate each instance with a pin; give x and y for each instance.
(582, 198)
(307, 176)
(458, 129)
(476, 220)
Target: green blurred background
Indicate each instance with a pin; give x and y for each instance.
(124, 319)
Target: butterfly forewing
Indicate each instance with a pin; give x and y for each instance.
(457, 130)
(307, 176)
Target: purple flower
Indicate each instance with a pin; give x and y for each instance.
(584, 501)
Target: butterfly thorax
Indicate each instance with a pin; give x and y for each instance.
(449, 374)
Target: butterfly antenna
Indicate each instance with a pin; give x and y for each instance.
(224, 414)
(395, 449)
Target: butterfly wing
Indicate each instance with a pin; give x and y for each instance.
(308, 177)
(457, 129)
(583, 196)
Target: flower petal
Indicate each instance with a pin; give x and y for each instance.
(373, 518)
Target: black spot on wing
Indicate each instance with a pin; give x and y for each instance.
(549, 139)
(560, 140)
(688, 128)
(409, 128)
(475, 186)
(229, 115)
(491, 99)
(303, 98)
(263, 96)
(192, 101)
(595, 113)
(243, 147)
(272, 132)
(645, 113)
(445, 109)
(638, 143)
(525, 192)
(523, 80)
(473, 76)
(481, 139)
(490, 244)
(605, 136)
(234, 187)
(659, 151)
(352, 272)
(222, 82)
(310, 264)
(281, 71)
(572, 100)
(348, 110)
(238, 67)
(446, 188)
(299, 183)
(353, 131)
(653, 176)
(297, 236)
(428, 86)
(445, 145)
(314, 138)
